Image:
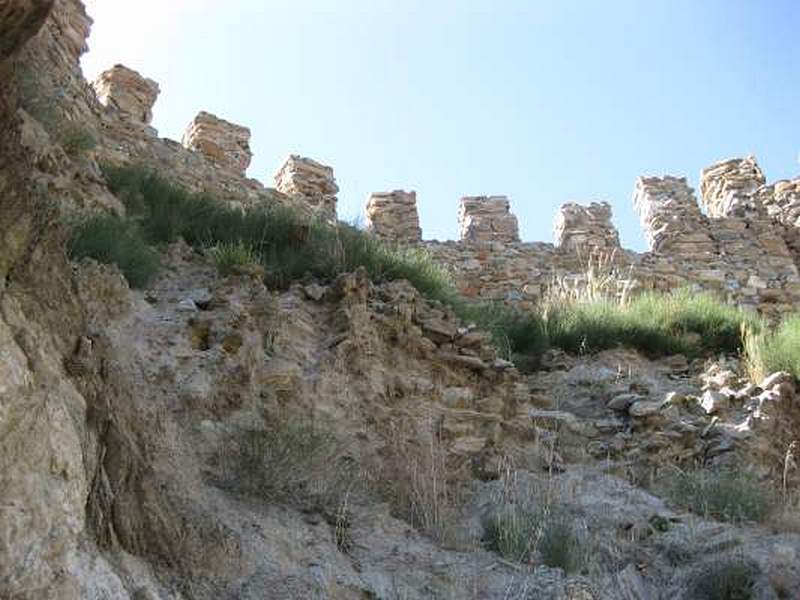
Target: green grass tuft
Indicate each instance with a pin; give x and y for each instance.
(770, 351)
(724, 495)
(655, 324)
(519, 533)
(234, 257)
(289, 244)
(112, 240)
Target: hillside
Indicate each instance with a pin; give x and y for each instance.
(211, 388)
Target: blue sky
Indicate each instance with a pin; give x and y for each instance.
(545, 102)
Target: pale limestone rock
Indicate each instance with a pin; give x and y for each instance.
(487, 219)
(222, 142)
(586, 229)
(309, 182)
(714, 402)
(393, 216)
(127, 92)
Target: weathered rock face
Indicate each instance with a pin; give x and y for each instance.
(672, 221)
(393, 216)
(586, 229)
(19, 21)
(487, 219)
(310, 182)
(224, 143)
(728, 187)
(127, 92)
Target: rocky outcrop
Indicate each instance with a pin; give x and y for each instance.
(128, 93)
(310, 183)
(225, 144)
(393, 216)
(586, 229)
(20, 20)
(487, 219)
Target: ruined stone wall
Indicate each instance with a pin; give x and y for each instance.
(742, 253)
(746, 245)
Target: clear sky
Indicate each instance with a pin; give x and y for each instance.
(545, 102)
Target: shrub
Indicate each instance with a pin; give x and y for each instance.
(74, 138)
(419, 484)
(234, 257)
(513, 533)
(723, 579)
(724, 495)
(559, 545)
(778, 350)
(289, 460)
(109, 239)
(518, 532)
(42, 104)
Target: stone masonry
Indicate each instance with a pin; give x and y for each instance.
(487, 219)
(671, 218)
(393, 216)
(586, 229)
(127, 92)
(222, 142)
(310, 182)
(727, 187)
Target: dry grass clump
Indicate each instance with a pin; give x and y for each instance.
(529, 527)
(422, 486)
(295, 461)
(725, 495)
(731, 578)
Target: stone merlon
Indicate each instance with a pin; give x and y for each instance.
(127, 92)
(222, 142)
(487, 219)
(393, 216)
(728, 187)
(309, 182)
(671, 218)
(581, 228)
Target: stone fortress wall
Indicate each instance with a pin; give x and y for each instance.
(744, 242)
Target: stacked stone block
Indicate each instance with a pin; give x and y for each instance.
(728, 188)
(310, 182)
(487, 219)
(127, 92)
(393, 216)
(671, 218)
(586, 230)
(225, 144)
